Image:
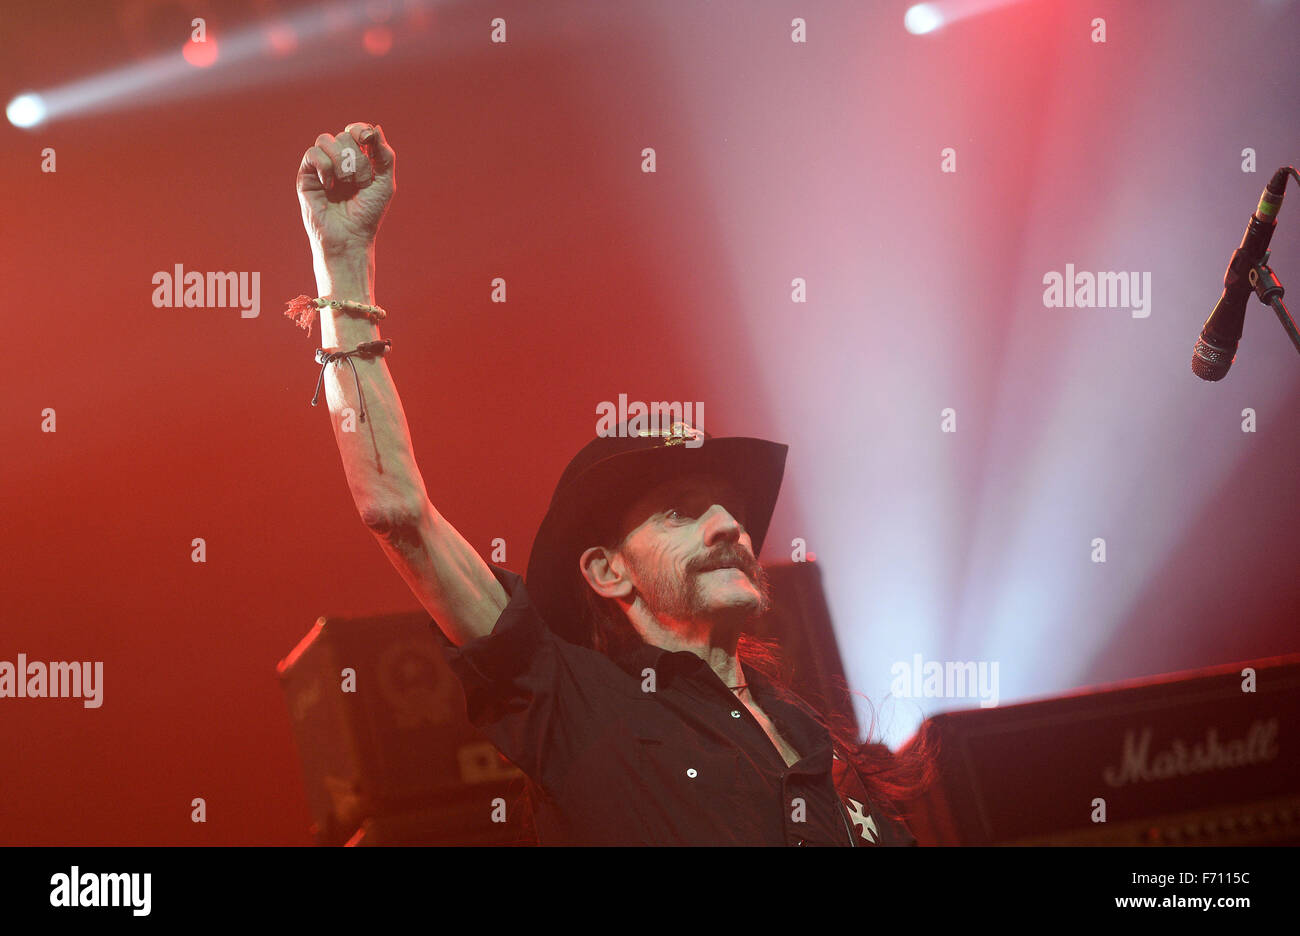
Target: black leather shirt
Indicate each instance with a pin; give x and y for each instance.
(653, 748)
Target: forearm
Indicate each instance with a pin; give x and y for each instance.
(378, 458)
(442, 569)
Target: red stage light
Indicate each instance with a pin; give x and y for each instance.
(201, 54)
(378, 40)
(282, 40)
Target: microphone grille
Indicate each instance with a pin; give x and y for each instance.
(1211, 363)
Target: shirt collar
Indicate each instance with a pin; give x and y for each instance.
(647, 656)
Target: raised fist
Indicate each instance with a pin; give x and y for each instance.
(345, 183)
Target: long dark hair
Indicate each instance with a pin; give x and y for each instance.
(893, 779)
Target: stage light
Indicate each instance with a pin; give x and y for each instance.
(922, 18)
(201, 54)
(26, 110)
(282, 40)
(247, 55)
(377, 40)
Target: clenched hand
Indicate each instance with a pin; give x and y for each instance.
(345, 184)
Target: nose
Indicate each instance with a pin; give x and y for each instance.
(721, 527)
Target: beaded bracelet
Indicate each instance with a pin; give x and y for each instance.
(303, 309)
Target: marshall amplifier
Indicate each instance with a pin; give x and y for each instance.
(388, 755)
(1207, 757)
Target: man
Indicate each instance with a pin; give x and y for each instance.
(614, 679)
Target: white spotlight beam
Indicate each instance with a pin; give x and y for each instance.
(922, 18)
(169, 75)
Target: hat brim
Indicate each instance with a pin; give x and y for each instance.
(587, 504)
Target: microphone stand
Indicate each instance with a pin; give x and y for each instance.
(1270, 292)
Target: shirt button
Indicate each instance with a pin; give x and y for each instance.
(690, 772)
(735, 713)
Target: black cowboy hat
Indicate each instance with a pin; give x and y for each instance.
(607, 476)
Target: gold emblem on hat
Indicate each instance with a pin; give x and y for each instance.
(679, 433)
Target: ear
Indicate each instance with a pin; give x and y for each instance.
(605, 572)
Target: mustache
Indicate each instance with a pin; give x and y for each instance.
(727, 556)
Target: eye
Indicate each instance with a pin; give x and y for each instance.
(672, 514)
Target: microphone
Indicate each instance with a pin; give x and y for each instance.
(1216, 348)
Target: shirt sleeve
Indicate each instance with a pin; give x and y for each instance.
(521, 688)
